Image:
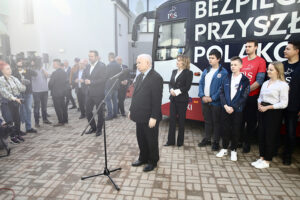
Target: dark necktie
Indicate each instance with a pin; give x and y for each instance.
(139, 81)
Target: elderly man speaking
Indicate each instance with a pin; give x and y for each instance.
(145, 110)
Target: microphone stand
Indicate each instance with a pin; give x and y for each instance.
(106, 171)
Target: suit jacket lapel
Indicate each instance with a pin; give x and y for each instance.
(179, 75)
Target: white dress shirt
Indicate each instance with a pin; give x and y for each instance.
(208, 79)
(80, 72)
(93, 66)
(276, 94)
(234, 85)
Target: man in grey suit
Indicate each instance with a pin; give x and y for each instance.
(145, 110)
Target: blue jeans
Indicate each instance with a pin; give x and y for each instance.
(25, 111)
(112, 103)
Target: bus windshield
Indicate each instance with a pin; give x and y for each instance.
(171, 40)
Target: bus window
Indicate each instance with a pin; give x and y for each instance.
(171, 41)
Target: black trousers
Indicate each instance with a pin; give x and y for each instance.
(91, 102)
(231, 124)
(290, 120)
(14, 110)
(121, 98)
(61, 110)
(81, 100)
(40, 101)
(269, 124)
(250, 118)
(148, 142)
(212, 118)
(70, 97)
(177, 109)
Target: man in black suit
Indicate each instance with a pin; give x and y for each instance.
(112, 69)
(94, 78)
(145, 110)
(67, 69)
(80, 87)
(58, 85)
(122, 87)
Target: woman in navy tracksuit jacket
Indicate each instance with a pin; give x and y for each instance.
(231, 123)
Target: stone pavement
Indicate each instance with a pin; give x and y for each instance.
(48, 165)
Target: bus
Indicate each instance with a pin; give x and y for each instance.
(195, 27)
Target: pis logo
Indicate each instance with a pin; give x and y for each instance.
(172, 13)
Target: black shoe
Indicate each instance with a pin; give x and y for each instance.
(48, 115)
(37, 125)
(82, 117)
(287, 160)
(14, 140)
(179, 145)
(149, 167)
(20, 138)
(58, 124)
(137, 163)
(91, 131)
(73, 107)
(204, 142)
(47, 121)
(108, 118)
(22, 133)
(246, 148)
(123, 114)
(32, 130)
(98, 133)
(215, 146)
(167, 144)
(240, 145)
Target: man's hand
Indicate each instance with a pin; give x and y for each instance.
(152, 123)
(87, 82)
(128, 115)
(124, 82)
(228, 109)
(19, 101)
(208, 99)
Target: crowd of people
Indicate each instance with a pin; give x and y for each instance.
(25, 84)
(232, 100)
(242, 98)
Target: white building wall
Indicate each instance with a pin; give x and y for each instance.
(64, 28)
(122, 35)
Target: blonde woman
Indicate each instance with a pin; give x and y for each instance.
(180, 84)
(273, 98)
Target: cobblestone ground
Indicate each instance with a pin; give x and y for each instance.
(49, 165)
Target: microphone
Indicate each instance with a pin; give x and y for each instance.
(122, 74)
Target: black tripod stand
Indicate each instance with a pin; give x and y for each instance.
(106, 171)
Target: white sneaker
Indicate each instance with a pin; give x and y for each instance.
(233, 156)
(262, 165)
(222, 152)
(256, 162)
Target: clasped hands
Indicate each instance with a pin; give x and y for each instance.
(151, 123)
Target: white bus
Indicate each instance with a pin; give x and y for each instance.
(195, 27)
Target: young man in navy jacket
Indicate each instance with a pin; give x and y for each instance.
(233, 94)
(209, 92)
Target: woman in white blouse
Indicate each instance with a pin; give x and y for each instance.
(273, 98)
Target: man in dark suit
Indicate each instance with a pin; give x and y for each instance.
(94, 78)
(122, 87)
(80, 87)
(67, 69)
(58, 85)
(145, 110)
(112, 69)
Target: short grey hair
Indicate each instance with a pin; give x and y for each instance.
(147, 57)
